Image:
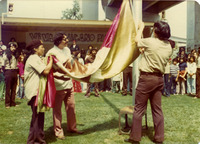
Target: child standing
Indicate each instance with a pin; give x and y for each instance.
(90, 59)
(191, 76)
(174, 74)
(116, 83)
(20, 65)
(182, 74)
(77, 84)
(166, 89)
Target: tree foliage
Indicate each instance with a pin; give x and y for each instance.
(73, 13)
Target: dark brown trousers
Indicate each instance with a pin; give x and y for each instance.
(36, 133)
(149, 87)
(127, 76)
(89, 86)
(11, 84)
(198, 83)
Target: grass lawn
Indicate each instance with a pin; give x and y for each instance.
(98, 118)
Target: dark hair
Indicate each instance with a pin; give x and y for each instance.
(199, 51)
(192, 57)
(175, 60)
(58, 38)
(193, 50)
(162, 30)
(172, 43)
(30, 48)
(183, 58)
(93, 50)
(9, 53)
(12, 39)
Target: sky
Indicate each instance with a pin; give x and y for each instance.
(40, 8)
(51, 9)
(176, 16)
(177, 19)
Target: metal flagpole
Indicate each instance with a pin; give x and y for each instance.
(137, 15)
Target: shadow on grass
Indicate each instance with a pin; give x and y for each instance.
(110, 104)
(148, 132)
(111, 124)
(18, 103)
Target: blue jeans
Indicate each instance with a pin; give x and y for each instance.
(2, 85)
(173, 84)
(166, 88)
(21, 88)
(191, 85)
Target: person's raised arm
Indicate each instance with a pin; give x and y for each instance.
(139, 31)
(48, 67)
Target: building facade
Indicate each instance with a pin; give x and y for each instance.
(89, 31)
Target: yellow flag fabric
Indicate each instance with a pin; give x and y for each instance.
(117, 52)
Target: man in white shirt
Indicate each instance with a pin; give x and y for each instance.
(64, 88)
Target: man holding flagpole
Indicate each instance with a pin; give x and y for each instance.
(155, 53)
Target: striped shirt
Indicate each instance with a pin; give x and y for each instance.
(174, 69)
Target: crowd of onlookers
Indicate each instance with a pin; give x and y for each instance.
(122, 81)
(12, 72)
(182, 74)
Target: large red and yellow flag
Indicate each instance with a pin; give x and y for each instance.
(116, 53)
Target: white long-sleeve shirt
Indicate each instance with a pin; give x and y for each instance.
(191, 68)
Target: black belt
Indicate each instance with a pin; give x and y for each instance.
(11, 70)
(151, 73)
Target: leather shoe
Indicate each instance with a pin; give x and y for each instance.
(77, 132)
(131, 141)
